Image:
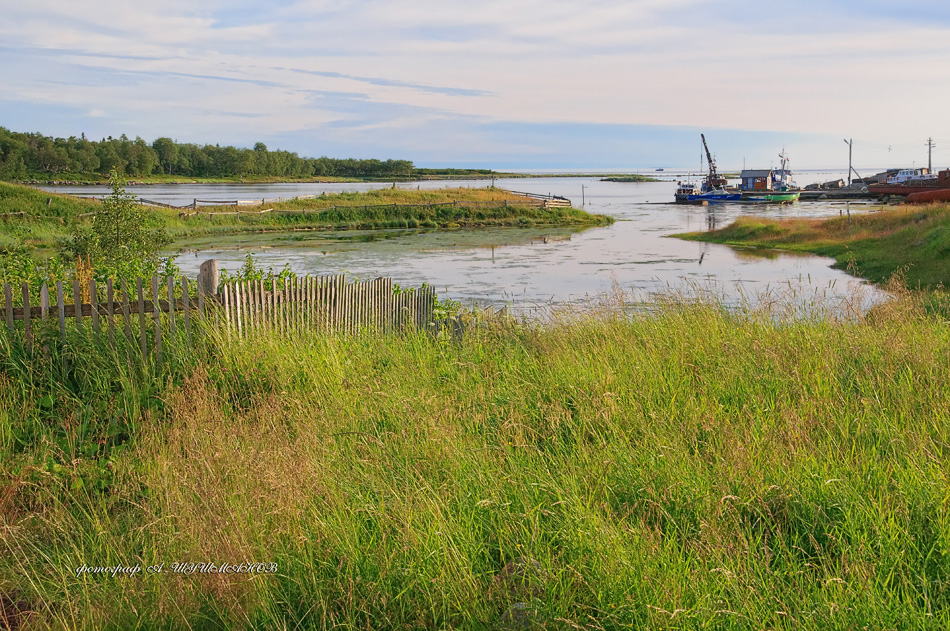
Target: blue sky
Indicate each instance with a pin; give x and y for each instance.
(544, 84)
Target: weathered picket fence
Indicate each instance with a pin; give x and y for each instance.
(155, 308)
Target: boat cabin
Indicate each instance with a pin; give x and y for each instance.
(757, 180)
(910, 175)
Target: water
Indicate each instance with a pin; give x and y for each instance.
(531, 268)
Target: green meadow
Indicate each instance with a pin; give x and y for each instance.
(688, 468)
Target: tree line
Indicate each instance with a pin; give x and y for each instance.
(25, 156)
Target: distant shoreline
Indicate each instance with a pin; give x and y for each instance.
(156, 181)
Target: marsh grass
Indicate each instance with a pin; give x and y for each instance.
(913, 240)
(691, 467)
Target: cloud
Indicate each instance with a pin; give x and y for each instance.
(368, 71)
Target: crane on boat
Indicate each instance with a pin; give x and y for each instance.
(713, 180)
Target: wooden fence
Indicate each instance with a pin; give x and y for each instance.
(241, 308)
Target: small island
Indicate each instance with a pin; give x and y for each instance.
(633, 177)
(42, 219)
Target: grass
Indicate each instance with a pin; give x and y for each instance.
(44, 224)
(691, 468)
(912, 240)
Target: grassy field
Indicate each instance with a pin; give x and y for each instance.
(44, 224)
(689, 469)
(914, 240)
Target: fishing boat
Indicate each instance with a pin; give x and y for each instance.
(684, 190)
(770, 186)
(713, 188)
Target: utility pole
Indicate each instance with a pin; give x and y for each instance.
(583, 199)
(930, 147)
(849, 143)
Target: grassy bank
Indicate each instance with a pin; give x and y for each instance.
(913, 240)
(42, 224)
(689, 469)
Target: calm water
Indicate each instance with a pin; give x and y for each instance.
(533, 267)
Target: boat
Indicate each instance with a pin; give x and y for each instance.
(771, 197)
(911, 183)
(713, 188)
(769, 186)
(716, 196)
(684, 190)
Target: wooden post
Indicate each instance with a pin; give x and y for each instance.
(285, 323)
(62, 310)
(208, 279)
(141, 301)
(157, 312)
(247, 307)
(227, 307)
(110, 310)
(237, 308)
(126, 311)
(44, 301)
(94, 303)
(262, 304)
(273, 305)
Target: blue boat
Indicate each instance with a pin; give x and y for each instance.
(713, 189)
(716, 195)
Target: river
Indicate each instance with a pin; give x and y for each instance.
(534, 268)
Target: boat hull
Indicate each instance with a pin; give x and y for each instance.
(880, 190)
(771, 197)
(714, 198)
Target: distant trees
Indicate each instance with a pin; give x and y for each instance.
(31, 155)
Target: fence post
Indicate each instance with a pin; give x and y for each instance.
(44, 301)
(285, 322)
(208, 278)
(237, 307)
(226, 296)
(273, 307)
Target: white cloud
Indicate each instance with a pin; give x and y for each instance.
(183, 65)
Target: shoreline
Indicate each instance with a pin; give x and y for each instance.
(337, 180)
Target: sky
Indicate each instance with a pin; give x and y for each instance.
(504, 84)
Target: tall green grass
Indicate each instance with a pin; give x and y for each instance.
(911, 240)
(688, 468)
